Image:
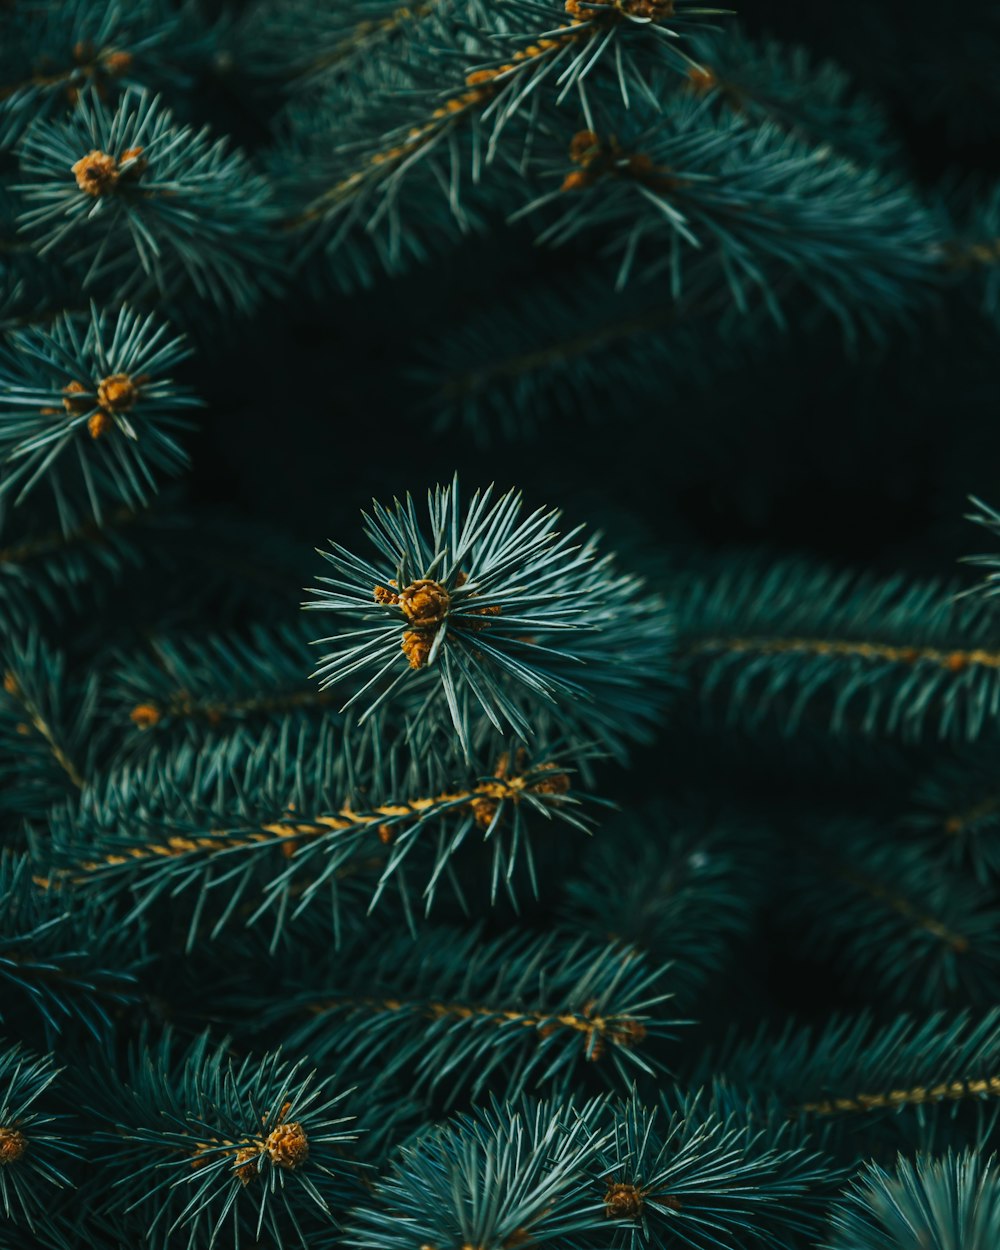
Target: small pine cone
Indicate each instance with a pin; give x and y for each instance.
(117, 63)
(117, 393)
(100, 423)
(702, 80)
(247, 1164)
(385, 596)
(622, 1201)
(583, 147)
(13, 1144)
(96, 173)
(425, 602)
(416, 647)
(625, 1032)
(145, 715)
(72, 402)
(288, 1145)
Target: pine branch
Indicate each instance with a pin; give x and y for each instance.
(498, 1177)
(652, 183)
(54, 49)
(148, 201)
(893, 918)
(956, 807)
(696, 1176)
(449, 1013)
(493, 606)
(910, 1082)
(802, 645)
(88, 407)
(64, 958)
(213, 694)
(210, 1149)
(31, 1153)
(678, 883)
(308, 806)
(929, 1202)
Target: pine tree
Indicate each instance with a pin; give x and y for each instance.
(594, 843)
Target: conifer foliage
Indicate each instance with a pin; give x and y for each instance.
(591, 844)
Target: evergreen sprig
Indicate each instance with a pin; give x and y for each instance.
(56, 49)
(136, 201)
(60, 956)
(306, 808)
(31, 1153)
(494, 606)
(699, 1177)
(448, 1012)
(206, 1147)
(650, 184)
(796, 645)
(90, 409)
(493, 1177)
(925, 1203)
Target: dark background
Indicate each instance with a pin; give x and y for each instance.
(864, 460)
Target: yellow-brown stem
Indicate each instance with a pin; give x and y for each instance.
(147, 715)
(13, 1144)
(956, 661)
(13, 688)
(290, 834)
(916, 1096)
(600, 1031)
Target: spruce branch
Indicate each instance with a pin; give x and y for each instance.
(209, 1148)
(31, 1153)
(494, 607)
(651, 184)
(212, 694)
(447, 1013)
(495, 1178)
(420, 137)
(309, 805)
(934, 1203)
(678, 883)
(911, 1080)
(696, 1176)
(135, 200)
(48, 737)
(798, 645)
(896, 919)
(955, 807)
(60, 955)
(296, 47)
(88, 407)
(55, 49)
(815, 100)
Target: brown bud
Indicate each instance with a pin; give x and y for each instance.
(288, 1145)
(100, 423)
(247, 1164)
(425, 602)
(118, 63)
(96, 173)
(416, 647)
(13, 1144)
(76, 400)
(117, 393)
(145, 715)
(622, 1201)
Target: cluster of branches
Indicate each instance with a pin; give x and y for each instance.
(309, 1072)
